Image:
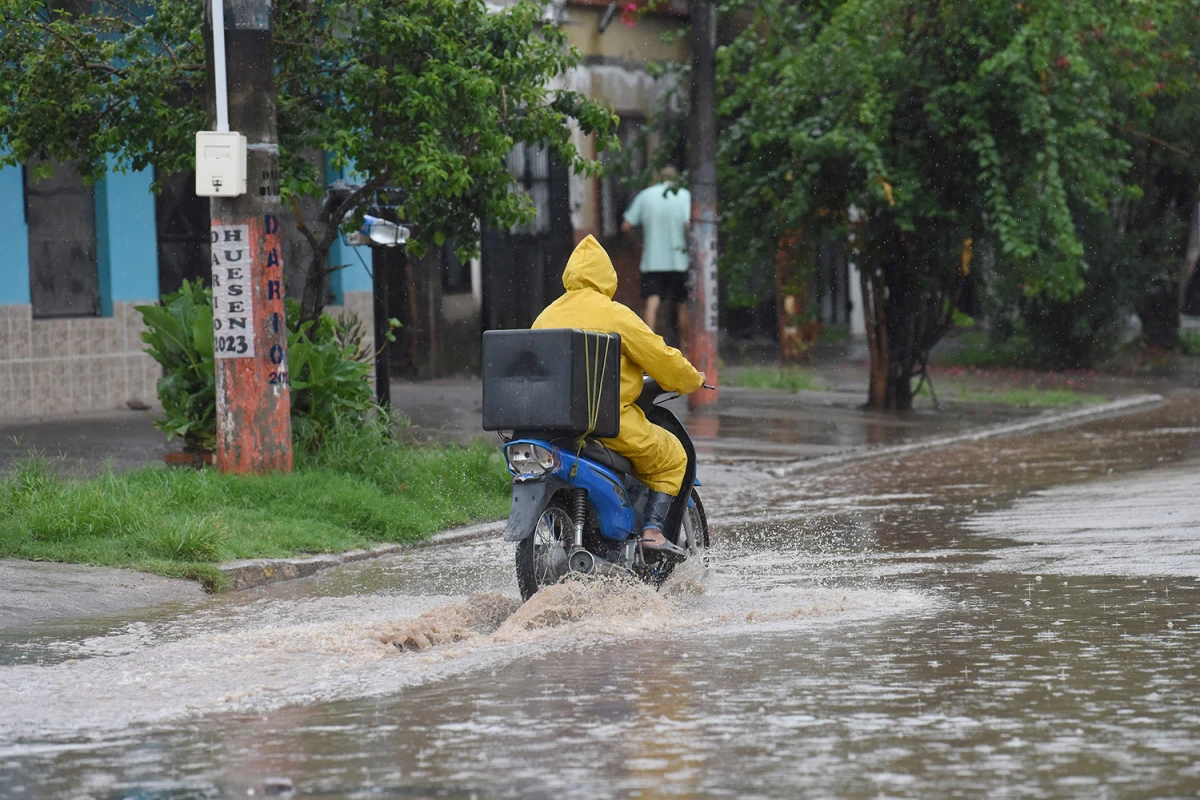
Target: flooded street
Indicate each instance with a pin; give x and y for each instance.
(1006, 618)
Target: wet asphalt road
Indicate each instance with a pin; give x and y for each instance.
(1009, 618)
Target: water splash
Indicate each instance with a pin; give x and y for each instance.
(480, 614)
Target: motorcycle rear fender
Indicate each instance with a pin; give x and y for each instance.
(529, 499)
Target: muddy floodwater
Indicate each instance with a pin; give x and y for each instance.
(1009, 618)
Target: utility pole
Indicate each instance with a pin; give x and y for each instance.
(254, 431)
(702, 234)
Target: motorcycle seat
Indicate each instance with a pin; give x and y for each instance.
(597, 452)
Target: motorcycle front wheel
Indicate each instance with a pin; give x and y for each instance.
(542, 557)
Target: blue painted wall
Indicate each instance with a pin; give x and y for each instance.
(357, 276)
(14, 239)
(126, 243)
(127, 252)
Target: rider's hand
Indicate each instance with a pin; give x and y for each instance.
(703, 380)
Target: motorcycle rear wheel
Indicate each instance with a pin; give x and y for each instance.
(541, 558)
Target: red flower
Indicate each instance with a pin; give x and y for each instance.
(630, 14)
(1063, 62)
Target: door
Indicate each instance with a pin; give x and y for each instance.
(522, 267)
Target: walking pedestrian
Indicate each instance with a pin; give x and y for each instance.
(662, 213)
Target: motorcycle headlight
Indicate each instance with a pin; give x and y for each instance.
(530, 459)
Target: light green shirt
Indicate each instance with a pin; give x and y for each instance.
(663, 216)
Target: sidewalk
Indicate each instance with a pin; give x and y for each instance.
(749, 425)
(86, 444)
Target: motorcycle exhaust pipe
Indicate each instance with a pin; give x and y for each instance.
(582, 562)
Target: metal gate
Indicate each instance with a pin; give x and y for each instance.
(182, 227)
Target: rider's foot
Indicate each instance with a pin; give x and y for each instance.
(653, 538)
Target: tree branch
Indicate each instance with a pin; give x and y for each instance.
(302, 226)
(1160, 142)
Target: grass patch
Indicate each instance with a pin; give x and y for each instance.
(834, 333)
(355, 491)
(976, 349)
(791, 379)
(1189, 342)
(1021, 398)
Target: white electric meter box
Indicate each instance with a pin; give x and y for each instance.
(220, 164)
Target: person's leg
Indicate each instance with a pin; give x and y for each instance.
(658, 460)
(652, 293)
(657, 506)
(650, 315)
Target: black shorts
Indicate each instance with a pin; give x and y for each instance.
(670, 286)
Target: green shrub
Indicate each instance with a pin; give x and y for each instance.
(1189, 342)
(978, 349)
(328, 369)
(1042, 332)
(179, 335)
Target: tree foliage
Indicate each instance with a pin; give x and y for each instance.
(949, 129)
(425, 96)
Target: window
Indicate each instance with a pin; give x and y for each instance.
(456, 276)
(60, 212)
(530, 165)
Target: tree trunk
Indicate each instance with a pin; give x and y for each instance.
(875, 319)
(903, 323)
(312, 303)
(1159, 312)
(904, 311)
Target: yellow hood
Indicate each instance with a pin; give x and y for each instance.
(590, 268)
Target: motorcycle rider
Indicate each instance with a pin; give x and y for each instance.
(657, 456)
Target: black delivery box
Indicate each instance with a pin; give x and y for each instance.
(538, 381)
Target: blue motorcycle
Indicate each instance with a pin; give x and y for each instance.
(578, 510)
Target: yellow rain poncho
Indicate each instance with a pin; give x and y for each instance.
(591, 282)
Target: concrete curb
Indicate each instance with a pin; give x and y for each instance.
(1046, 421)
(255, 572)
(252, 573)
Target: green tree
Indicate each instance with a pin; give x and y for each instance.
(1141, 250)
(427, 96)
(1155, 222)
(930, 130)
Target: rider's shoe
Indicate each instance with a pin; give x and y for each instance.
(664, 546)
